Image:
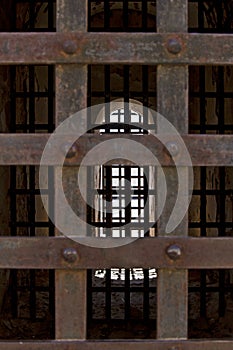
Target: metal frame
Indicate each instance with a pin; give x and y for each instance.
(172, 49)
(104, 48)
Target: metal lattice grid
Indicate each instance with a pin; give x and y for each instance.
(31, 111)
(121, 195)
(121, 295)
(122, 16)
(210, 16)
(210, 100)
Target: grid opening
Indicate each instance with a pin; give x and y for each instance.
(119, 197)
(210, 16)
(122, 16)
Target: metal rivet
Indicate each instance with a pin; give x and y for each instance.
(174, 46)
(70, 255)
(70, 47)
(172, 148)
(69, 150)
(173, 252)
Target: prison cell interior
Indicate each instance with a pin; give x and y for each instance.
(121, 303)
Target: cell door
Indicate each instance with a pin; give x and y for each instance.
(168, 289)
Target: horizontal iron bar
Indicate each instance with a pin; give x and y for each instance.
(107, 48)
(64, 253)
(204, 150)
(119, 345)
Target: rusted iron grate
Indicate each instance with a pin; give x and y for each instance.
(116, 61)
(31, 292)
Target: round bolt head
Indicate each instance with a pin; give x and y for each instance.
(172, 148)
(173, 252)
(70, 47)
(70, 150)
(70, 255)
(174, 46)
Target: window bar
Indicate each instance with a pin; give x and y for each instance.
(31, 218)
(146, 294)
(125, 16)
(145, 96)
(108, 218)
(126, 99)
(51, 194)
(203, 213)
(220, 104)
(107, 96)
(108, 295)
(32, 234)
(14, 280)
(127, 294)
(144, 5)
(89, 26)
(50, 15)
(106, 16)
(201, 20)
(32, 15)
(222, 232)
(128, 195)
(51, 92)
(51, 191)
(89, 298)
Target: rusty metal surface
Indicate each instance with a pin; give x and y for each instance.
(172, 102)
(48, 252)
(71, 96)
(100, 48)
(119, 345)
(205, 150)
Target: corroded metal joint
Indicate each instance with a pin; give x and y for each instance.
(174, 46)
(70, 255)
(70, 47)
(174, 252)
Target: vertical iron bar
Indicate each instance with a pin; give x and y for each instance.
(106, 16)
(144, 5)
(89, 297)
(172, 104)
(107, 93)
(125, 16)
(108, 296)
(71, 96)
(108, 199)
(202, 99)
(146, 300)
(31, 210)
(201, 20)
(50, 15)
(32, 233)
(14, 284)
(220, 103)
(127, 294)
